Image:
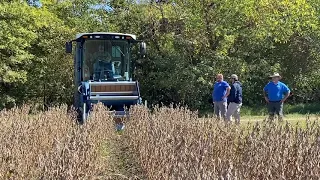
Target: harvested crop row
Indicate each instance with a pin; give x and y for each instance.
(174, 144)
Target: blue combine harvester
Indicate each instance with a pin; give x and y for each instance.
(103, 73)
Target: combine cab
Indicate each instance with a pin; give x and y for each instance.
(104, 73)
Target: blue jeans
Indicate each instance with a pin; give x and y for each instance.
(275, 108)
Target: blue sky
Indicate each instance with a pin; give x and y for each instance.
(98, 6)
(37, 3)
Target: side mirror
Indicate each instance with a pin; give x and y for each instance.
(143, 48)
(68, 47)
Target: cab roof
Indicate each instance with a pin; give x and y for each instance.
(106, 33)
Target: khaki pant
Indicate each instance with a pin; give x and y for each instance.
(220, 109)
(234, 110)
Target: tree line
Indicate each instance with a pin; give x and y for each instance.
(189, 42)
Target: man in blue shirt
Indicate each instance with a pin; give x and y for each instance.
(234, 99)
(275, 93)
(221, 91)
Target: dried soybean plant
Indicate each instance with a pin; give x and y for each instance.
(174, 144)
(51, 145)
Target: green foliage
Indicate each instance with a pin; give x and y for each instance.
(251, 38)
(188, 43)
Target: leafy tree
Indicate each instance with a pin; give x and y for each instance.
(189, 42)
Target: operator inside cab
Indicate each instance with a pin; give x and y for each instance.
(100, 66)
(105, 60)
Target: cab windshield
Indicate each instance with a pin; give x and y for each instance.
(105, 60)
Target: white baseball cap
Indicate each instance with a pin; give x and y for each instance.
(234, 76)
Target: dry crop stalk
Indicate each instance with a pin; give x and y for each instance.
(50, 145)
(172, 143)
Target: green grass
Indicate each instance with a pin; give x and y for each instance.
(260, 110)
(293, 119)
(288, 117)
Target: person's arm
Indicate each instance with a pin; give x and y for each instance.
(230, 96)
(228, 91)
(287, 93)
(237, 92)
(286, 96)
(265, 89)
(212, 94)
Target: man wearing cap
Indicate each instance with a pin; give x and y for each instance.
(275, 94)
(234, 99)
(220, 93)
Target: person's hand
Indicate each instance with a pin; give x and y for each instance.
(267, 100)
